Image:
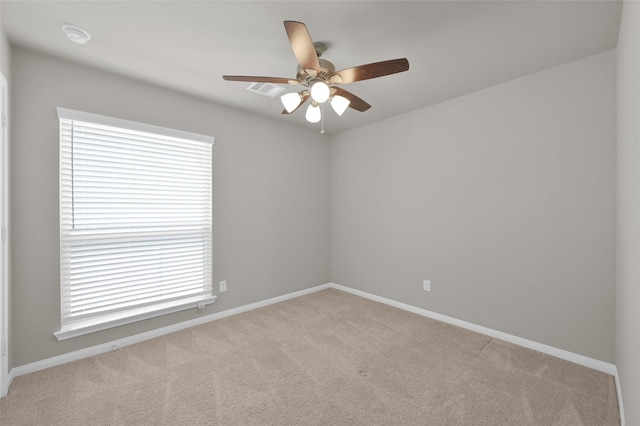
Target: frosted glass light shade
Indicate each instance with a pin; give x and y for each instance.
(339, 104)
(313, 114)
(320, 92)
(291, 101)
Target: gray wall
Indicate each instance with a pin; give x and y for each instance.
(628, 287)
(270, 185)
(4, 51)
(504, 199)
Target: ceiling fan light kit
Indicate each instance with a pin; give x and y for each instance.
(320, 78)
(320, 92)
(313, 113)
(339, 104)
(291, 101)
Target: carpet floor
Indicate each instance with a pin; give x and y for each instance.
(328, 358)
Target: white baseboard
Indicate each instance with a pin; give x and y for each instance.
(550, 350)
(5, 388)
(595, 364)
(619, 393)
(120, 343)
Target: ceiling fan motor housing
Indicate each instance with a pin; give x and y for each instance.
(306, 77)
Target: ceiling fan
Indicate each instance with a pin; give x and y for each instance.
(320, 78)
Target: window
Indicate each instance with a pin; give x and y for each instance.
(135, 221)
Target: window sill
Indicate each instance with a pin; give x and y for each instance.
(114, 320)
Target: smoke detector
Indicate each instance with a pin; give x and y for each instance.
(76, 34)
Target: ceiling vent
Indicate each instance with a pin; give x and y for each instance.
(266, 89)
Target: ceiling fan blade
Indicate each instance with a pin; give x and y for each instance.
(356, 103)
(365, 72)
(254, 79)
(302, 45)
(304, 95)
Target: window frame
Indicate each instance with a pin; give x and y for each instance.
(69, 329)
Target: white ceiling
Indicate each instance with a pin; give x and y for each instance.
(453, 47)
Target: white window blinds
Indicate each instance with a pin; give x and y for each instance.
(135, 221)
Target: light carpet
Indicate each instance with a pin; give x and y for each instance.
(328, 358)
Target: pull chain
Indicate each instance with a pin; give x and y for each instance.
(322, 117)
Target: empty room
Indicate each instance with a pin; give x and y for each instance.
(320, 212)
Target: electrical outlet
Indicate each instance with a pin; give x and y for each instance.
(426, 285)
(223, 286)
